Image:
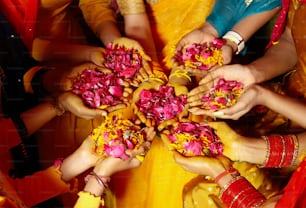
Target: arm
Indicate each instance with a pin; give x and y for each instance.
(51, 51)
(101, 19)
(137, 27)
(279, 58)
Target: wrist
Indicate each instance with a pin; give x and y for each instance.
(236, 39)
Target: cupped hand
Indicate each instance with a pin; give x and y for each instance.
(74, 104)
(249, 99)
(203, 165)
(96, 56)
(147, 85)
(230, 138)
(110, 165)
(146, 70)
(61, 77)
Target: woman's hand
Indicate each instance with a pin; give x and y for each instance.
(207, 166)
(146, 70)
(147, 85)
(73, 103)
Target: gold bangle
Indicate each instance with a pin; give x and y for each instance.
(180, 73)
(131, 7)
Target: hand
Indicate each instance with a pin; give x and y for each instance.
(207, 166)
(61, 77)
(110, 165)
(235, 72)
(96, 56)
(73, 103)
(230, 138)
(196, 36)
(147, 85)
(146, 70)
(250, 98)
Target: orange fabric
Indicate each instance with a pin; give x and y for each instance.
(40, 186)
(296, 21)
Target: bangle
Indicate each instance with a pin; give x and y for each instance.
(127, 7)
(102, 180)
(235, 38)
(239, 193)
(232, 171)
(281, 151)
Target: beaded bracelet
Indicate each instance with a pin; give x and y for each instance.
(102, 180)
(282, 151)
(239, 193)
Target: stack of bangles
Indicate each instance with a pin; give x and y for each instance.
(238, 192)
(102, 180)
(282, 151)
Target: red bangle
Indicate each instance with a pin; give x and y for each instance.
(231, 171)
(239, 193)
(281, 151)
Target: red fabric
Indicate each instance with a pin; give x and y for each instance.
(295, 191)
(279, 23)
(21, 14)
(9, 135)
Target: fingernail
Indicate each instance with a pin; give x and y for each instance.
(218, 113)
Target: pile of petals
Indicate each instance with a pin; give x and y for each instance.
(126, 62)
(192, 139)
(224, 94)
(161, 104)
(98, 89)
(115, 135)
(201, 56)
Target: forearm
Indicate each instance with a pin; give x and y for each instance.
(279, 59)
(137, 27)
(50, 51)
(287, 106)
(43, 113)
(79, 161)
(248, 147)
(250, 24)
(101, 18)
(107, 32)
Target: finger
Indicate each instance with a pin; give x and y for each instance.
(90, 113)
(201, 90)
(116, 107)
(147, 67)
(146, 57)
(195, 101)
(166, 141)
(165, 124)
(144, 75)
(196, 72)
(199, 111)
(179, 159)
(209, 78)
